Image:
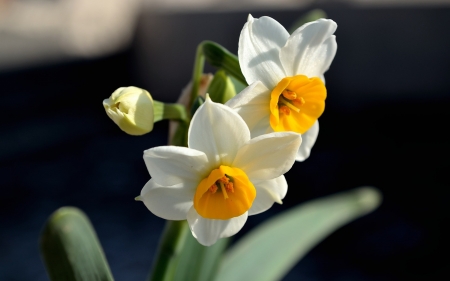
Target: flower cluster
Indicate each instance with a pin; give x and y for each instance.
(238, 152)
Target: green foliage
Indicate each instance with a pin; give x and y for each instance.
(199, 100)
(269, 251)
(198, 262)
(218, 56)
(70, 248)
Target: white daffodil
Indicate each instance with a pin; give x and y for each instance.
(222, 177)
(286, 89)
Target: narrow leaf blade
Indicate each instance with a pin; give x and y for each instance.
(269, 251)
(198, 262)
(70, 248)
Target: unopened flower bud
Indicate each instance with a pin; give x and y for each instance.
(131, 108)
(221, 88)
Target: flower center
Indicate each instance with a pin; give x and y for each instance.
(226, 193)
(225, 184)
(296, 103)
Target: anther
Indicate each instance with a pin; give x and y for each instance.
(285, 110)
(229, 187)
(301, 101)
(283, 101)
(224, 179)
(213, 188)
(290, 95)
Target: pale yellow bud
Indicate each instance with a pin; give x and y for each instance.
(131, 108)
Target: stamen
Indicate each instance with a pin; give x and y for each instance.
(225, 185)
(290, 95)
(230, 187)
(224, 191)
(301, 101)
(287, 103)
(285, 110)
(213, 188)
(224, 179)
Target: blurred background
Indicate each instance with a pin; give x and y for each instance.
(385, 125)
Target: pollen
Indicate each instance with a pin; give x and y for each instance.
(225, 185)
(224, 179)
(301, 101)
(285, 102)
(285, 110)
(213, 188)
(229, 187)
(290, 95)
(226, 193)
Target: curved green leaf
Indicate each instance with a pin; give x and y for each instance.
(198, 262)
(216, 55)
(70, 248)
(275, 246)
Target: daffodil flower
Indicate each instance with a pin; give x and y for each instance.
(286, 89)
(221, 177)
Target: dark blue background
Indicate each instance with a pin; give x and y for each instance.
(385, 125)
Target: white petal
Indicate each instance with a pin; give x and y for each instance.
(170, 165)
(218, 131)
(268, 192)
(262, 127)
(310, 49)
(168, 202)
(268, 156)
(252, 104)
(259, 47)
(208, 231)
(308, 141)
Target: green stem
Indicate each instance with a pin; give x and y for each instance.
(175, 232)
(197, 73)
(173, 111)
(170, 247)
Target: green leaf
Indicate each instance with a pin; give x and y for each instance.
(308, 17)
(275, 246)
(218, 56)
(197, 103)
(197, 262)
(70, 248)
